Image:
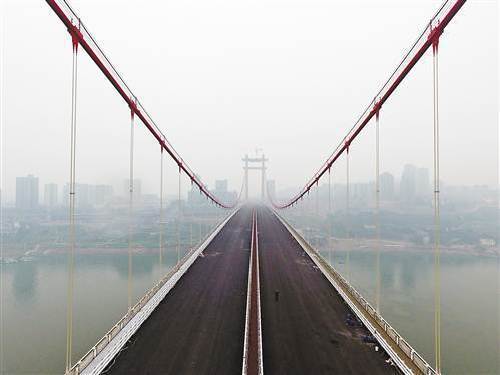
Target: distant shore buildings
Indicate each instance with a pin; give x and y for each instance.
(27, 192)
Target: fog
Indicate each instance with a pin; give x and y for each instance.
(222, 78)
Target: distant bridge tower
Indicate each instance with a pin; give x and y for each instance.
(262, 167)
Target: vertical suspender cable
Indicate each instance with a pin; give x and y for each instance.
(179, 221)
(377, 213)
(330, 242)
(200, 219)
(191, 231)
(199, 230)
(317, 199)
(348, 263)
(216, 214)
(130, 210)
(310, 211)
(317, 215)
(72, 186)
(214, 218)
(161, 210)
(2, 135)
(437, 220)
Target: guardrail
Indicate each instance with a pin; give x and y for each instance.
(132, 320)
(259, 316)
(354, 298)
(253, 363)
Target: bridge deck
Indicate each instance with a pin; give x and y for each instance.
(199, 327)
(304, 332)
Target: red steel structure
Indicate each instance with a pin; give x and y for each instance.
(81, 36)
(429, 37)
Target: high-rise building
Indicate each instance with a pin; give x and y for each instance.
(339, 197)
(103, 194)
(408, 183)
(360, 194)
(386, 186)
(422, 185)
(83, 195)
(83, 198)
(50, 195)
(195, 198)
(221, 191)
(87, 196)
(136, 188)
(65, 195)
(27, 192)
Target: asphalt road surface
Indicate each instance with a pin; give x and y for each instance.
(200, 325)
(304, 328)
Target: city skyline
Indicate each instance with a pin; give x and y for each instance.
(305, 96)
(238, 187)
(414, 181)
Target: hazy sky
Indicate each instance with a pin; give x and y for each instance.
(224, 77)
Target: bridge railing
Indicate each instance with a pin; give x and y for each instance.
(397, 340)
(400, 342)
(91, 355)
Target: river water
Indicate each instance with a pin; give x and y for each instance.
(34, 303)
(470, 305)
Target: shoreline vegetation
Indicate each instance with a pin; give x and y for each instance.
(338, 244)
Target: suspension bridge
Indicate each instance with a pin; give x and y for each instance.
(253, 295)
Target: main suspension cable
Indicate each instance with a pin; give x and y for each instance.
(408, 62)
(83, 37)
